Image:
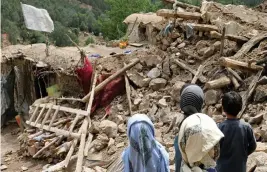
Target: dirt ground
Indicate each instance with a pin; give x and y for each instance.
(9, 152)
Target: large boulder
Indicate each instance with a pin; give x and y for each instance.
(260, 93)
(256, 160)
(157, 83)
(110, 128)
(212, 97)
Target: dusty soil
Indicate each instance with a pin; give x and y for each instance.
(9, 151)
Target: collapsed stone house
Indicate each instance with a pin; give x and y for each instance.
(143, 27)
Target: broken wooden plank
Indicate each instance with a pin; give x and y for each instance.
(74, 122)
(235, 38)
(53, 117)
(184, 15)
(34, 113)
(235, 82)
(202, 27)
(88, 143)
(251, 43)
(249, 92)
(58, 132)
(199, 72)
(46, 115)
(183, 5)
(218, 83)
(40, 114)
(112, 77)
(222, 42)
(186, 67)
(45, 147)
(235, 74)
(234, 64)
(128, 92)
(67, 109)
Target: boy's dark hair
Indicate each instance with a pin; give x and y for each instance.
(232, 103)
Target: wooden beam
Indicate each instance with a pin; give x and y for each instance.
(47, 115)
(243, 66)
(235, 74)
(34, 113)
(186, 67)
(199, 72)
(222, 42)
(218, 83)
(112, 77)
(184, 15)
(202, 27)
(58, 132)
(53, 117)
(183, 5)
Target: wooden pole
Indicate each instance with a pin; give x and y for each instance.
(222, 42)
(89, 140)
(235, 64)
(199, 72)
(235, 74)
(128, 92)
(109, 79)
(218, 83)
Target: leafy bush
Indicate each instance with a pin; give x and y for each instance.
(89, 40)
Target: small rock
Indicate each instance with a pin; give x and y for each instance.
(111, 142)
(257, 133)
(137, 101)
(175, 92)
(261, 169)
(154, 73)
(212, 97)
(32, 150)
(112, 150)
(119, 119)
(260, 93)
(174, 44)
(119, 145)
(120, 107)
(146, 82)
(218, 118)
(144, 104)
(151, 60)
(3, 167)
(263, 80)
(165, 42)
(166, 66)
(85, 169)
(157, 83)
(121, 128)
(191, 61)
(109, 128)
(172, 158)
(136, 78)
(209, 51)
(182, 45)
(24, 168)
(263, 132)
(162, 103)
(256, 119)
(217, 45)
(261, 147)
(256, 159)
(158, 136)
(101, 142)
(99, 169)
(218, 106)
(7, 159)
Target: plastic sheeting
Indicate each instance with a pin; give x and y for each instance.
(37, 19)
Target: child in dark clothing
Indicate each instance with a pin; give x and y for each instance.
(239, 140)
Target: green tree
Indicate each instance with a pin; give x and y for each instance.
(110, 23)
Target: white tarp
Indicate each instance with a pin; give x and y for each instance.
(37, 19)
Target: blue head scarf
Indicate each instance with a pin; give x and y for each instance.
(144, 153)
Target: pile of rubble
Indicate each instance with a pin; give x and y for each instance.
(190, 53)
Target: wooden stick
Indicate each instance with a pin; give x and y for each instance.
(69, 99)
(234, 64)
(58, 132)
(89, 140)
(235, 74)
(59, 166)
(175, 14)
(85, 127)
(249, 92)
(128, 92)
(112, 77)
(46, 115)
(34, 113)
(67, 109)
(199, 72)
(74, 122)
(202, 27)
(61, 122)
(40, 115)
(45, 147)
(35, 134)
(235, 82)
(251, 43)
(222, 42)
(185, 67)
(218, 83)
(53, 117)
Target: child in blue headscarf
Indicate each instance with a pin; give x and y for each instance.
(144, 153)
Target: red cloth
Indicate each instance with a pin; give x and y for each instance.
(108, 93)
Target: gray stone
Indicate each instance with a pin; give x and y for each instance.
(218, 118)
(191, 62)
(175, 92)
(212, 97)
(217, 45)
(165, 42)
(209, 52)
(157, 83)
(263, 80)
(137, 101)
(162, 103)
(201, 44)
(136, 78)
(256, 119)
(154, 73)
(182, 45)
(110, 128)
(256, 159)
(101, 142)
(257, 133)
(122, 128)
(263, 132)
(166, 66)
(151, 60)
(260, 93)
